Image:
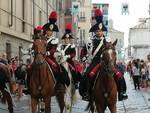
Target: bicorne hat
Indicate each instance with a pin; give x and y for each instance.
(51, 25)
(67, 33)
(98, 15)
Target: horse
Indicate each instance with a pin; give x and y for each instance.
(104, 92)
(42, 82)
(5, 77)
(70, 92)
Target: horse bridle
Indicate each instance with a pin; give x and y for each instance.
(110, 47)
(109, 62)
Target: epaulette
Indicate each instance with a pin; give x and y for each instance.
(55, 41)
(73, 46)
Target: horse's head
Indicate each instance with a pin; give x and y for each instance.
(109, 53)
(39, 47)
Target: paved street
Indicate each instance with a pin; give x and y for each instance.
(136, 103)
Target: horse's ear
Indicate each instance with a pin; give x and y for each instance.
(115, 42)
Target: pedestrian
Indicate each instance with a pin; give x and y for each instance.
(21, 74)
(148, 66)
(129, 69)
(136, 74)
(3, 58)
(143, 72)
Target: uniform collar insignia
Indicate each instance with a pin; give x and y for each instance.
(100, 26)
(51, 27)
(67, 35)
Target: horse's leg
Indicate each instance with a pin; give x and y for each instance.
(48, 105)
(7, 95)
(60, 99)
(34, 104)
(112, 108)
(99, 109)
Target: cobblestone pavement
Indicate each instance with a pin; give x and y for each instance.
(138, 102)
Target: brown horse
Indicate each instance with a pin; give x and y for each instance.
(105, 89)
(42, 81)
(5, 77)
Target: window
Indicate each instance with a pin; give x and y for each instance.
(81, 37)
(20, 53)
(125, 8)
(8, 50)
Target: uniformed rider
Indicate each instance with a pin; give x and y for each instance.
(94, 58)
(69, 53)
(52, 44)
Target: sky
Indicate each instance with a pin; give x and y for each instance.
(137, 9)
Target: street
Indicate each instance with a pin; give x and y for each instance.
(137, 102)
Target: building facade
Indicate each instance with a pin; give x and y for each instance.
(139, 40)
(17, 20)
(84, 21)
(114, 34)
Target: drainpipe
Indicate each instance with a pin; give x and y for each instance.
(11, 14)
(47, 10)
(33, 13)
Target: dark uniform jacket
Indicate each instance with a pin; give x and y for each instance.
(96, 59)
(52, 46)
(70, 51)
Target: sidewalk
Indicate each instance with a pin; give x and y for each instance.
(20, 106)
(146, 94)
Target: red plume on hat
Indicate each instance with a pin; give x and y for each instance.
(68, 27)
(98, 16)
(39, 28)
(53, 17)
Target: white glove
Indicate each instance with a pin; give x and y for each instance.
(63, 53)
(66, 57)
(47, 53)
(84, 59)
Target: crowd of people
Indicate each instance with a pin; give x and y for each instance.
(17, 71)
(139, 71)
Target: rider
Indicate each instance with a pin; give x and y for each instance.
(69, 52)
(97, 42)
(52, 44)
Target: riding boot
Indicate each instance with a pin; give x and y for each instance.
(84, 88)
(88, 93)
(121, 92)
(59, 87)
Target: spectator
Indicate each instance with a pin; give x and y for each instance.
(148, 66)
(136, 74)
(3, 58)
(143, 72)
(129, 69)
